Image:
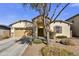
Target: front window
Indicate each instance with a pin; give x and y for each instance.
(58, 29)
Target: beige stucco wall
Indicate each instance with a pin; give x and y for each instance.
(4, 33)
(20, 25)
(36, 26)
(75, 25)
(65, 28)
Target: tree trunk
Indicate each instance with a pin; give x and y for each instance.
(48, 38)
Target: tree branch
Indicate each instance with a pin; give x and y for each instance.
(55, 10)
(61, 11)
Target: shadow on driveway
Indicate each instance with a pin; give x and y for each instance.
(25, 39)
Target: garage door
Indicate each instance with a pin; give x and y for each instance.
(19, 32)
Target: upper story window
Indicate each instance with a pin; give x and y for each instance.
(58, 29)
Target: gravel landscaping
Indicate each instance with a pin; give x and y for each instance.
(34, 49)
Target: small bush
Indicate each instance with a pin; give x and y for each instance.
(37, 41)
(61, 37)
(54, 51)
(67, 42)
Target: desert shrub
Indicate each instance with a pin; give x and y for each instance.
(67, 42)
(54, 51)
(37, 41)
(61, 37)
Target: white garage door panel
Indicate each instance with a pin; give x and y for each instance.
(21, 32)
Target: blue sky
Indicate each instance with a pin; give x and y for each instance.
(10, 13)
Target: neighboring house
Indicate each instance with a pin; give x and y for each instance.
(75, 24)
(4, 32)
(21, 28)
(61, 28)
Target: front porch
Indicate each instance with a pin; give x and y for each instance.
(39, 29)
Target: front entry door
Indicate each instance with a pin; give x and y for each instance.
(40, 32)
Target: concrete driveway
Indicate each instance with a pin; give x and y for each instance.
(10, 47)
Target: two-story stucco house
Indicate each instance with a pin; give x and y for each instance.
(37, 27)
(75, 24)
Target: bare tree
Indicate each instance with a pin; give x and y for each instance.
(44, 10)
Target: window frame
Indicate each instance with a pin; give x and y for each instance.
(58, 29)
